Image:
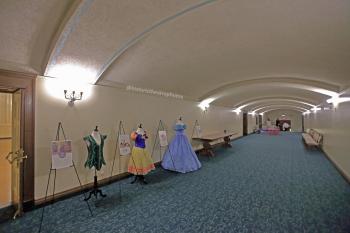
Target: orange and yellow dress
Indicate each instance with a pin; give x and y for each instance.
(140, 162)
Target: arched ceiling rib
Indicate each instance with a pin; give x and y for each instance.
(279, 103)
(274, 97)
(97, 34)
(277, 106)
(253, 103)
(289, 82)
(275, 109)
(260, 91)
(259, 108)
(232, 41)
(229, 50)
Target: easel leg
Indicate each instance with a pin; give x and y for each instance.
(54, 187)
(120, 185)
(81, 188)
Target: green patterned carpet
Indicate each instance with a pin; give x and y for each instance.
(263, 184)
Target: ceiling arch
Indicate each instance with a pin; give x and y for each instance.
(289, 82)
(218, 45)
(278, 106)
(274, 109)
(280, 100)
(197, 48)
(274, 97)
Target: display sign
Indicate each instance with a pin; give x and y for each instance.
(61, 154)
(124, 144)
(163, 139)
(197, 131)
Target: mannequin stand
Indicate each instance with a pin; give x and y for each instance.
(95, 190)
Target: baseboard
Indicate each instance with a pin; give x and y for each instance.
(6, 213)
(78, 190)
(337, 166)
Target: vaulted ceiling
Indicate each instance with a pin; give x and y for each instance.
(281, 52)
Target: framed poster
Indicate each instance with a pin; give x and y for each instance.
(163, 139)
(124, 144)
(61, 154)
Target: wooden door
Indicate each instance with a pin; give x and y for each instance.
(17, 153)
(11, 81)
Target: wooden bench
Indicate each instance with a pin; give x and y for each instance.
(312, 138)
(208, 140)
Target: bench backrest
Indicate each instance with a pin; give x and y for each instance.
(316, 136)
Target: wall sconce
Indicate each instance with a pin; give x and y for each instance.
(72, 97)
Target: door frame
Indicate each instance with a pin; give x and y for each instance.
(26, 82)
(260, 121)
(245, 124)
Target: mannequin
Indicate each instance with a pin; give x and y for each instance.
(96, 135)
(95, 144)
(140, 162)
(180, 156)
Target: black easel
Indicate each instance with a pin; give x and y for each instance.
(157, 142)
(59, 128)
(95, 190)
(196, 123)
(120, 130)
(205, 144)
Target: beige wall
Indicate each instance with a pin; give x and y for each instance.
(106, 108)
(5, 148)
(335, 126)
(294, 116)
(252, 123)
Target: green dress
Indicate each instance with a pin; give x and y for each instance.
(95, 152)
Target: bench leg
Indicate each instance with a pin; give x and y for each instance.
(227, 142)
(208, 149)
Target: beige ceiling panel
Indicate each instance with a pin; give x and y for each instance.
(230, 41)
(27, 28)
(100, 28)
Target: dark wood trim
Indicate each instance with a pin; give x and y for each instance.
(25, 82)
(78, 190)
(245, 124)
(6, 213)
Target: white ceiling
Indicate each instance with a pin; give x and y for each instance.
(196, 48)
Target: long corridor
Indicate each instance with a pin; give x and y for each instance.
(262, 184)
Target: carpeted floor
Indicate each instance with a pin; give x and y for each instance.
(262, 184)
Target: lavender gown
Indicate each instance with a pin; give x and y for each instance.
(180, 156)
